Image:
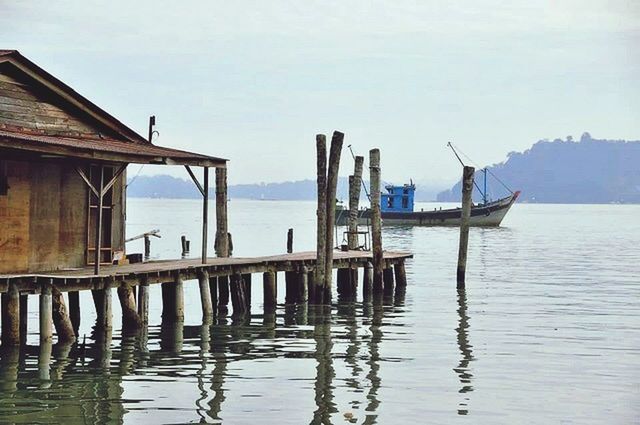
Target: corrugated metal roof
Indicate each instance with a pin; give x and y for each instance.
(104, 149)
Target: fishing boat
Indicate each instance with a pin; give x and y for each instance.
(397, 207)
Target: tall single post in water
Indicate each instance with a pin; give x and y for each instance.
(376, 219)
(467, 187)
(321, 212)
(269, 291)
(290, 241)
(143, 300)
(332, 188)
(130, 318)
(205, 295)
(205, 214)
(222, 231)
(355, 182)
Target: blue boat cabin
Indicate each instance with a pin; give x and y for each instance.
(398, 198)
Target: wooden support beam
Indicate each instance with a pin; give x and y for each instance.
(343, 281)
(222, 231)
(143, 301)
(400, 274)
(388, 281)
(246, 279)
(46, 314)
(353, 279)
(291, 287)
(24, 318)
(213, 291)
(290, 241)
(367, 282)
(74, 310)
(270, 294)
(332, 187)
(130, 318)
(223, 294)
(195, 180)
(238, 301)
(376, 219)
(303, 285)
(321, 213)
(11, 316)
(205, 295)
(178, 299)
(467, 187)
(98, 237)
(61, 319)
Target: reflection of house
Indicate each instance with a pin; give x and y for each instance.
(58, 153)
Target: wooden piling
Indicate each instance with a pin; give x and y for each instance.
(105, 312)
(376, 219)
(303, 285)
(222, 232)
(238, 301)
(290, 241)
(46, 314)
(355, 182)
(60, 317)
(387, 276)
(74, 310)
(467, 187)
(367, 282)
(223, 294)
(291, 287)
(400, 274)
(213, 291)
(321, 213)
(205, 215)
(143, 301)
(11, 316)
(269, 289)
(24, 318)
(130, 318)
(178, 298)
(205, 295)
(332, 187)
(343, 281)
(246, 279)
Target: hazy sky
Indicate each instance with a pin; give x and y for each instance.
(254, 81)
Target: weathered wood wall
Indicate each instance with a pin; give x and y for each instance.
(43, 217)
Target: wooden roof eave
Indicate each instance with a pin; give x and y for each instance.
(111, 157)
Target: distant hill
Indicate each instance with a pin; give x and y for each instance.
(565, 171)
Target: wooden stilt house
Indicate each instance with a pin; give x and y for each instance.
(62, 173)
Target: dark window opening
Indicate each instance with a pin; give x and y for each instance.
(405, 191)
(405, 202)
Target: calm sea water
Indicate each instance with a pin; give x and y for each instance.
(548, 331)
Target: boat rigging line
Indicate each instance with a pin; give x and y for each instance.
(364, 186)
(485, 168)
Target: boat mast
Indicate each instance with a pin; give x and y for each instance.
(484, 195)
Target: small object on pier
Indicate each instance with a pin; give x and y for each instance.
(46, 314)
(388, 281)
(467, 187)
(205, 295)
(321, 212)
(290, 241)
(270, 293)
(11, 316)
(185, 244)
(134, 258)
(74, 310)
(61, 319)
(376, 220)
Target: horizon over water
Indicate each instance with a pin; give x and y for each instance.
(547, 331)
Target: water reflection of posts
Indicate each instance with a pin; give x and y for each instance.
(218, 348)
(373, 362)
(347, 312)
(203, 355)
(9, 359)
(466, 353)
(324, 369)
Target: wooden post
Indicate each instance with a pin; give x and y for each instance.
(303, 285)
(205, 295)
(367, 282)
(321, 213)
(61, 319)
(74, 310)
(11, 316)
(291, 287)
(223, 294)
(290, 241)
(353, 279)
(355, 182)
(130, 318)
(178, 298)
(222, 232)
(332, 188)
(205, 214)
(246, 279)
(143, 301)
(213, 291)
(467, 187)
(46, 313)
(147, 246)
(106, 312)
(387, 276)
(343, 281)
(185, 245)
(400, 274)
(24, 318)
(237, 295)
(97, 256)
(376, 219)
(270, 293)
